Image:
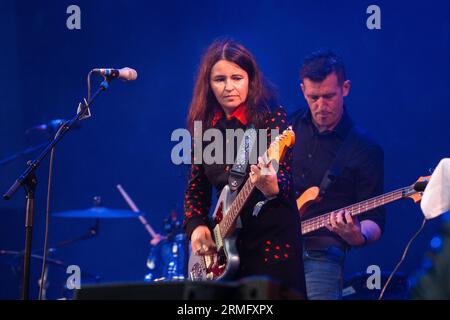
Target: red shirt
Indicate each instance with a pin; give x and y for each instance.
(238, 113)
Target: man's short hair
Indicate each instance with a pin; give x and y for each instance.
(319, 64)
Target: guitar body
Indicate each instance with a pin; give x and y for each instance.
(306, 199)
(224, 263)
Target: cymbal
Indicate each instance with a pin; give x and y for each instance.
(34, 256)
(98, 212)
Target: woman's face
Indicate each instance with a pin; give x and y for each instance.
(229, 82)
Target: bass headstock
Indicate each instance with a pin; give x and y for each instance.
(418, 187)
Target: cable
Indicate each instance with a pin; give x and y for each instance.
(89, 87)
(43, 279)
(401, 260)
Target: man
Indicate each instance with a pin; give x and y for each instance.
(346, 175)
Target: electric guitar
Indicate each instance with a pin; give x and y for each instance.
(224, 262)
(311, 195)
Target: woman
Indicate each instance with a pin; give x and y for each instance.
(230, 93)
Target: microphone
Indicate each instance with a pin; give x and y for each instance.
(126, 74)
(52, 125)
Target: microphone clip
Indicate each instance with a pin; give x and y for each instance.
(87, 113)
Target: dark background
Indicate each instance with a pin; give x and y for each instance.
(399, 94)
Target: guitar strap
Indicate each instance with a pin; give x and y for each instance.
(343, 156)
(246, 149)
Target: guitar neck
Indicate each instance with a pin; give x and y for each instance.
(318, 222)
(239, 202)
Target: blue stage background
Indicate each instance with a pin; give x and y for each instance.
(399, 94)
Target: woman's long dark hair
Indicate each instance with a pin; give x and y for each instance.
(204, 104)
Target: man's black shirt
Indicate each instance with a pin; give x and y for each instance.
(360, 179)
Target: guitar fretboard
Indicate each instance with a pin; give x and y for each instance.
(227, 223)
(318, 222)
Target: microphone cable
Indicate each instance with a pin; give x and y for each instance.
(89, 87)
(43, 279)
(405, 251)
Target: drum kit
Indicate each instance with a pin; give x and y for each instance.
(167, 259)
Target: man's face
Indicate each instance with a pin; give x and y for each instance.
(326, 100)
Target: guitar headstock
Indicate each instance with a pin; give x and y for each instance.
(418, 187)
(278, 147)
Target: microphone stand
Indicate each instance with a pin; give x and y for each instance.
(28, 180)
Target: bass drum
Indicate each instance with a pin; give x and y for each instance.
(167, 260)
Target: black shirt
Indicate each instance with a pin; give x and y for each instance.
(360, 179)
(203, 177)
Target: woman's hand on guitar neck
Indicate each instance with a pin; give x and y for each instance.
(202, 242)
(265, 178)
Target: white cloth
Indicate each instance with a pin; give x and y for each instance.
(436, 197)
